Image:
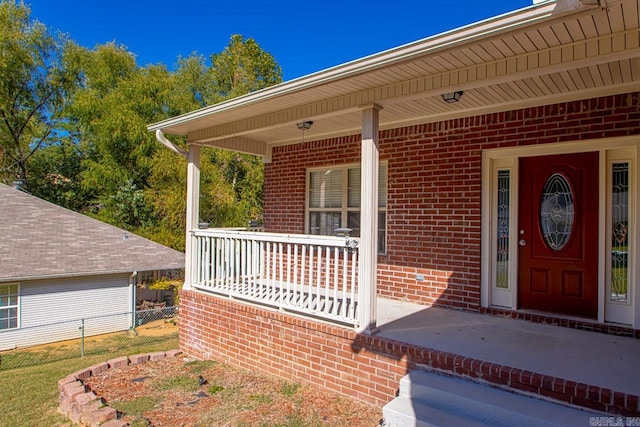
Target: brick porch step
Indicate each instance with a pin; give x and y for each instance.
(431, 399)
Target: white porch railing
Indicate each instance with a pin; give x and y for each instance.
(313, 275)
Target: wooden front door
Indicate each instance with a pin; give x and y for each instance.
(558, 234)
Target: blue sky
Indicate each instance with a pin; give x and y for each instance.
(304, 37)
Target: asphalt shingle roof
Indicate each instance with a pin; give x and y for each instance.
(39, 239)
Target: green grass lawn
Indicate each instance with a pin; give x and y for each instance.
(29, 395)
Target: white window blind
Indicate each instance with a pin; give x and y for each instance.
(334, 201)
(325, 189)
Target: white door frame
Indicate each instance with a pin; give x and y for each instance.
(507, 159)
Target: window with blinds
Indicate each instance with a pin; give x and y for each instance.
(334, 201)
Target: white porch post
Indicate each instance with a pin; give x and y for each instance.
(193, 210)
(368, 219)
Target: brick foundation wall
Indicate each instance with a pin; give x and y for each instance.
(291, 348)
(434, 186)
(338, 359)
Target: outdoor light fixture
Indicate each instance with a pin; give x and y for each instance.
(452, 96)
(304, 125)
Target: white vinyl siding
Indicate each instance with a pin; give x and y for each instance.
(52, 310)
(333, 196)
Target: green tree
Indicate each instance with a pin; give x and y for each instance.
(73, 122)
(35, 82)
(115, 102)
(231, 183)
(243, 67)
(55, 172)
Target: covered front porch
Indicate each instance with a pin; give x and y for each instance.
(447, 121)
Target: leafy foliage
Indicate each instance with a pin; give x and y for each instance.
(243, 67)
(35, 83)
(73, 125)
(231, 183)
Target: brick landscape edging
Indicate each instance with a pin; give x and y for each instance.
(82, 406)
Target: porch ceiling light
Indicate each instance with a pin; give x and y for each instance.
(452, 96)
(304, 125)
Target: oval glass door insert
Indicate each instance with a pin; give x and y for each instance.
(556, 212)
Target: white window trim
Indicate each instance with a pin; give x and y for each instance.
(344, 209)
(17, 306)
(507, 158)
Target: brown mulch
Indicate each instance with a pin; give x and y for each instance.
(177, 392)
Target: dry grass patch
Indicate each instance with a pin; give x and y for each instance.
(203, 393)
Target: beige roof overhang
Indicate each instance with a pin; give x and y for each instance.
(553, 51)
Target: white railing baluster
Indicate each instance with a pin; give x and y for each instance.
(312, 298)
(261, 267)
(297, 293)
(231, 257)
(304, 296)
(313, 275)
(345, 283)
(236, 280)
(243, 272)
(280, 274)
(268, 278)
(238, 277)
(209, 259)
(195, 276)
(319, 280)
(202, 262)
(353, 313)
(327, 281)
(336, 285)
(225, 264)
(219, 264)
(288, 282)
(195, 245)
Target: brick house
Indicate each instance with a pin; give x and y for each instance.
(490, 169)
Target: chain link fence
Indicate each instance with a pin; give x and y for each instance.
(110, 335)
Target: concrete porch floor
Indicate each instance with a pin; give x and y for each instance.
(585, 357)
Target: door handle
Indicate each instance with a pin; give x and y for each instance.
(522, 242)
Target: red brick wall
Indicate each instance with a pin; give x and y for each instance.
(434, 183)
(364, 367)
(331, 357)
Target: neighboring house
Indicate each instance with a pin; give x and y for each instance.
(492, 168)
(58, 267)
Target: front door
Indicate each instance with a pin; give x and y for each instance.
(558, 234)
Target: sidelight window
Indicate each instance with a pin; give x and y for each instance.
(619, 231)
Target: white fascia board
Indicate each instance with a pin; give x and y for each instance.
(25, 278)
(489, 27)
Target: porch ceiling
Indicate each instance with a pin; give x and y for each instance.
(553, 51)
